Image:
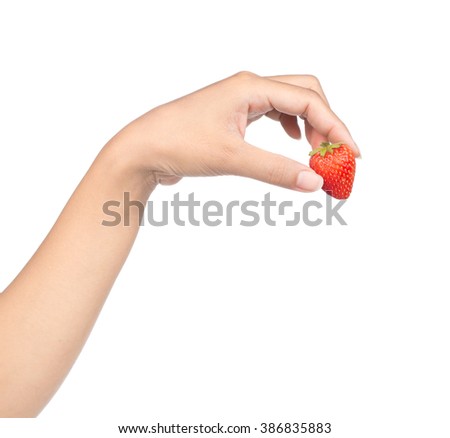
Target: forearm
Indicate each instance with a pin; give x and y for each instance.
(47, 312)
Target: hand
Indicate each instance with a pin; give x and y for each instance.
(48, 310)
(202, 134)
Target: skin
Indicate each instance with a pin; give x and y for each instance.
(49, 309)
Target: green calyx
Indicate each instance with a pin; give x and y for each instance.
(324, 148)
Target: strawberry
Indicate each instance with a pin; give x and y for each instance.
(336, 164)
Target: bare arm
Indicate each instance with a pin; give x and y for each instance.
(48, 311)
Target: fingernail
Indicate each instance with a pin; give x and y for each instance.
(309, 181)
(357, 149)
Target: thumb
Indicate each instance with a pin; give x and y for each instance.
(256, 163)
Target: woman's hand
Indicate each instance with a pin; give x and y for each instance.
(48, 311)
(202, 134)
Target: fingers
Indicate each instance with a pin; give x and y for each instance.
(289, 123)
(311, 82)
(314, 137)
(305, 81)
(332, 129)
(308, 104)
(275, 169)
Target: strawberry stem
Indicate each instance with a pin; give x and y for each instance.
(324, 148)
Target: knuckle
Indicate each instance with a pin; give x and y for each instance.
(245, 75)
(313, 100)
(313, 96)
(313, 81)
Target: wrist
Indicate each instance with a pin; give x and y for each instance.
(124, 161)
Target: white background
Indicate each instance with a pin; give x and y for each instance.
(244, 325)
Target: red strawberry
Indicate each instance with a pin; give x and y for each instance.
(336, 164)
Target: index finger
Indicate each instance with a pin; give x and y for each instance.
(305, 81)
(308, 104)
